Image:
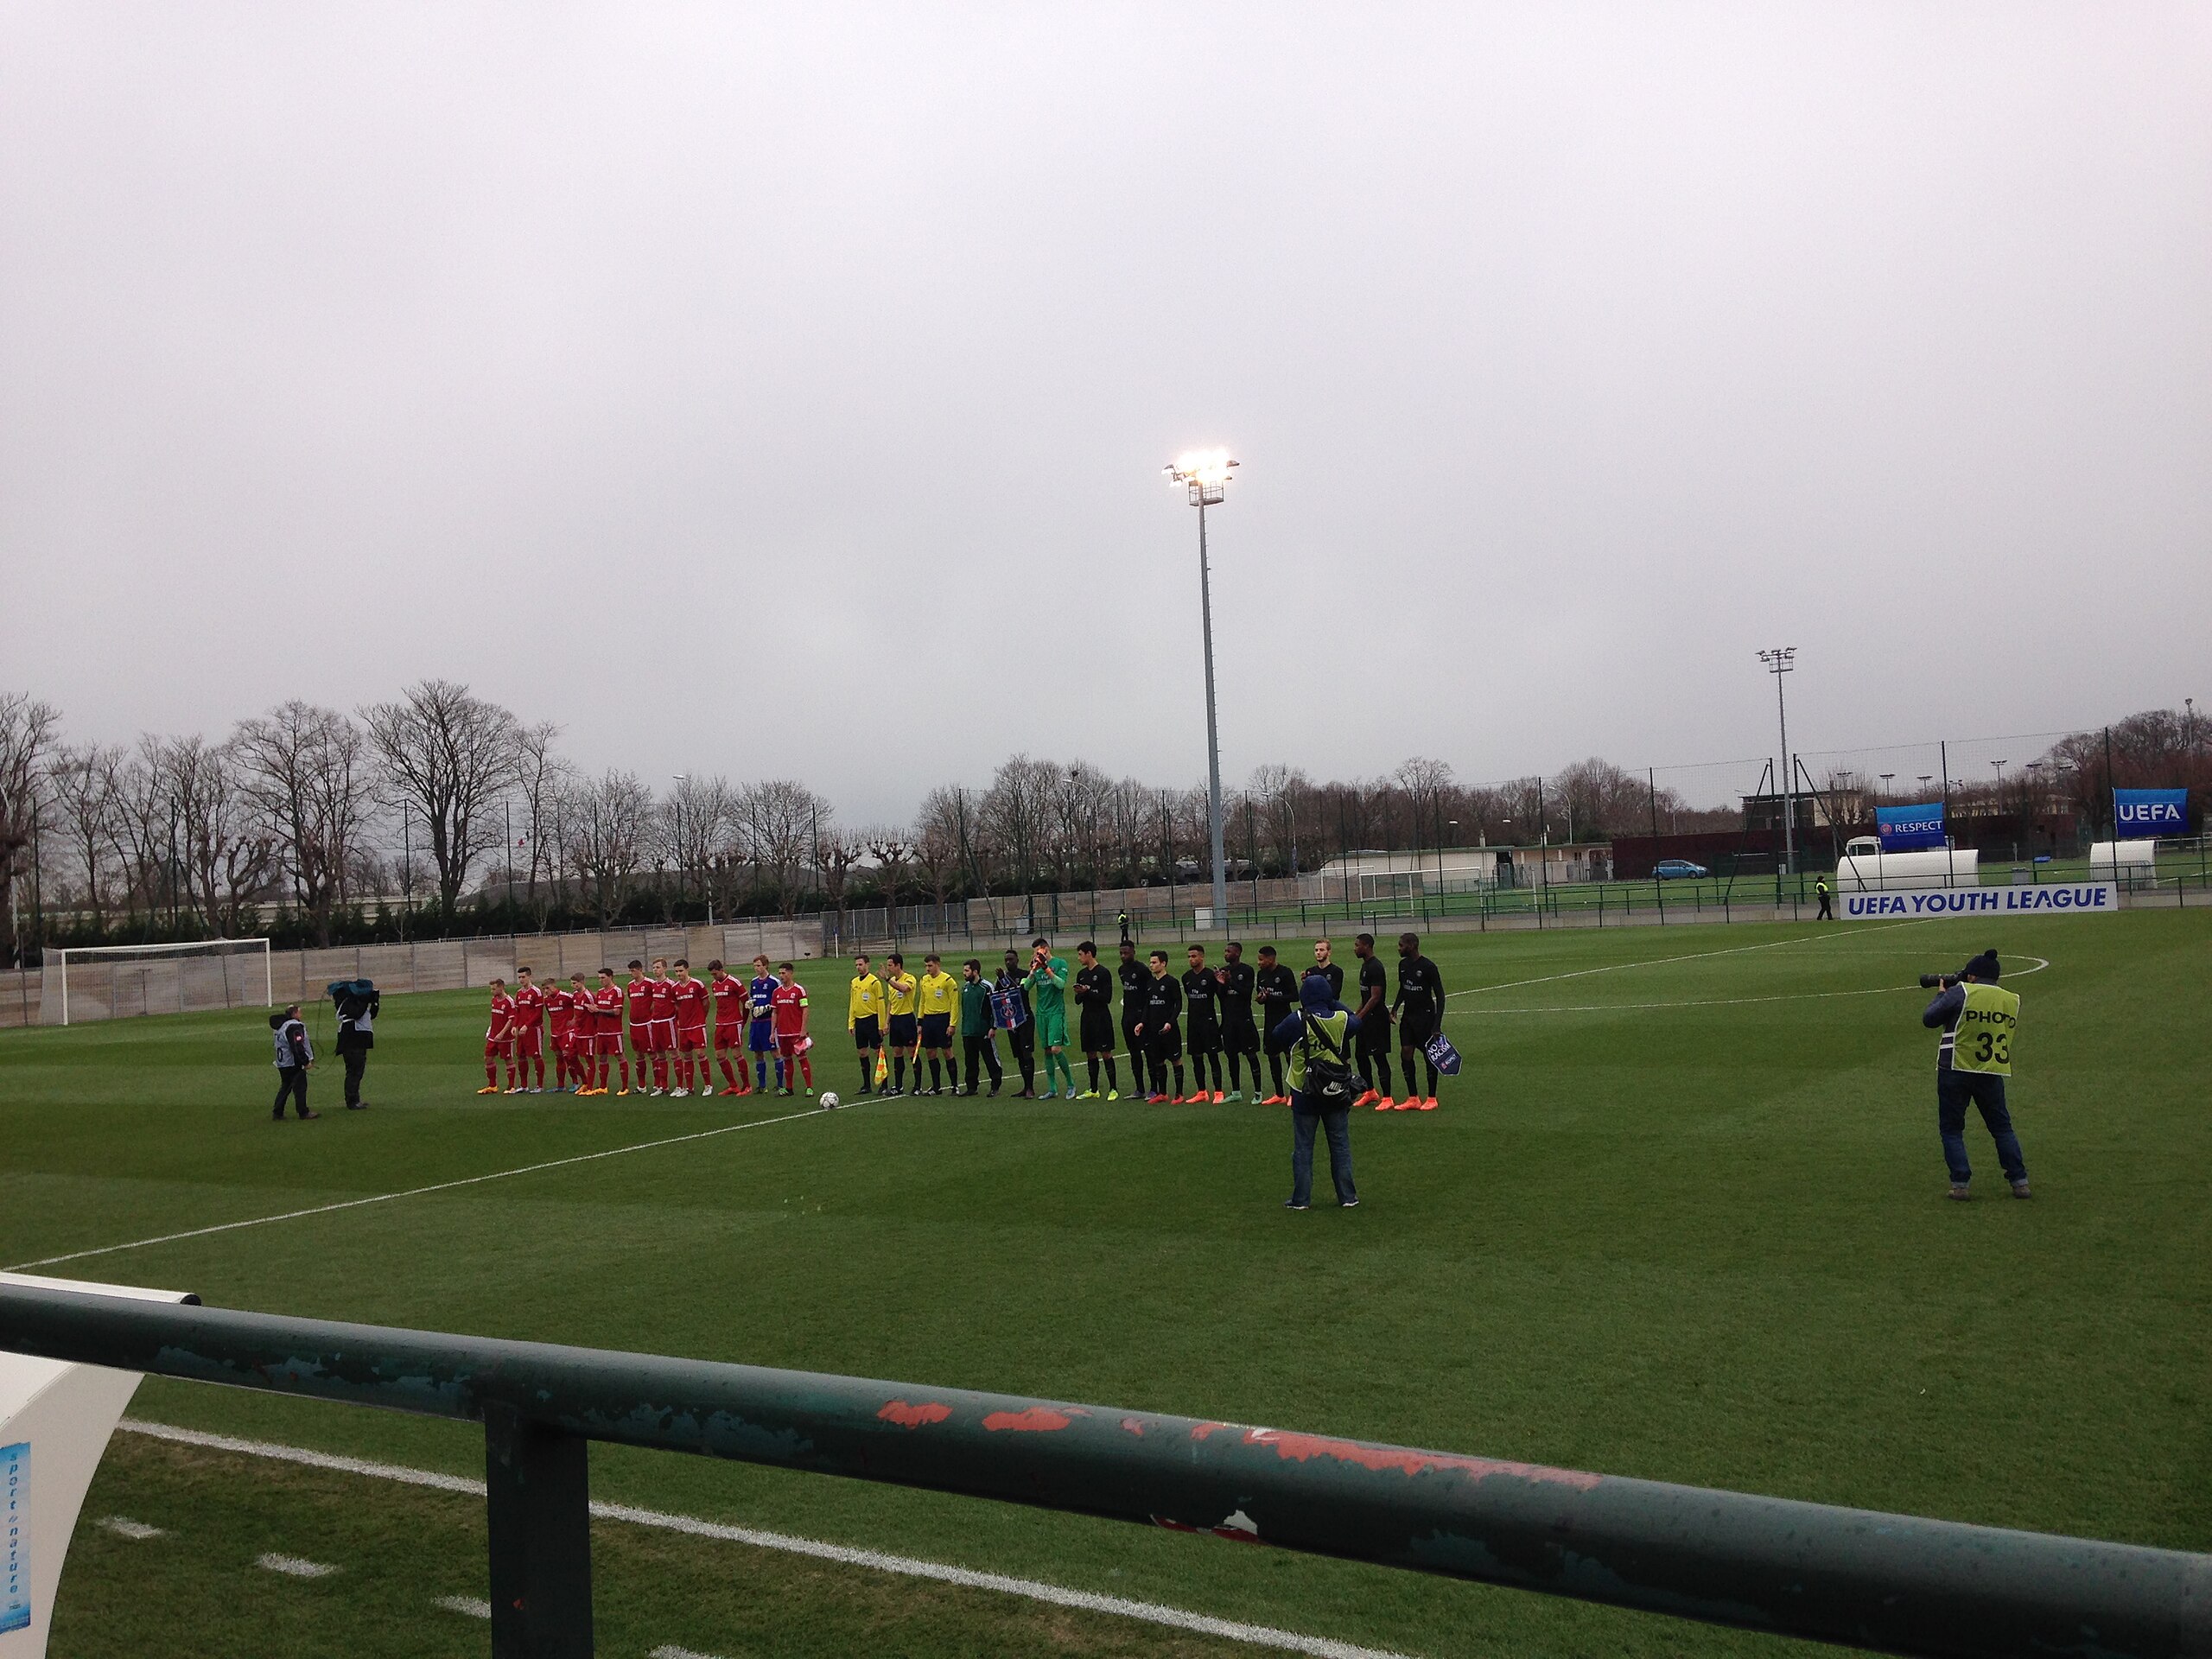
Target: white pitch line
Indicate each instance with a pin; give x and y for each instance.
(669, 1651)
(123, 1526)
(1150, 1612)
(295, 1566)
(467, 1606)
(1693, 956)
(2041, 962)
(412, 1192)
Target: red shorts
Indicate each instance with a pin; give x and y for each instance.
(609, 1041)
(564, 1043)
(789, 1046)
(690, 1036)
(499, 1048)
(729, 1034)
(529, 1040)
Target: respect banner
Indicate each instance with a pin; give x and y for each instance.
(1909, 829)
(2147, 813)
(2043, 899)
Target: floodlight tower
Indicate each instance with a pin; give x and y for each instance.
(1780, 661)
(1204, 475)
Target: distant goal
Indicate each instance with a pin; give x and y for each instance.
(114, 981)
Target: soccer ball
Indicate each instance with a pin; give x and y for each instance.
(829, 1100)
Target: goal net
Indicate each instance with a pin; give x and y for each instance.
(114, 982)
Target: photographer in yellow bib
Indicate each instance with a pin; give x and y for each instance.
(1978, 1020)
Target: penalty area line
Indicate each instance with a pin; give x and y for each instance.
(1692, 956)
(1150, 1612)
(412, 1192)
(2041, 962)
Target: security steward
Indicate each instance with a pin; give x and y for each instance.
(1821, 892)
(358, 1003)
(1978, 1020)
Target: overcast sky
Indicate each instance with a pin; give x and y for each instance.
(783, 390)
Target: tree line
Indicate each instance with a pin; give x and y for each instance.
(440, 811)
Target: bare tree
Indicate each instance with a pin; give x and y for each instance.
(226, 852)
(937, 834)
(892, 850)
(1016, 814)
(541, 777)
(449, 755)
(781, 822)
(697, 825)
(29, 730)
(608, 823)
(84, 781)
(305, 772)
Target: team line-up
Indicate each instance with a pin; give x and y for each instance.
(1211, 1013)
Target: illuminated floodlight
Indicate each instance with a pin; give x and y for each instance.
(1205, 473)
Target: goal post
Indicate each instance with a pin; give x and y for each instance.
(111, 982)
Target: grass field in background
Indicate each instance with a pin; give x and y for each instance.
(1682, 1217)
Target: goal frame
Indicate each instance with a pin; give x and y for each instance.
(62, 953)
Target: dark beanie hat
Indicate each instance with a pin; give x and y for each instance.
(1982, 967)
(1315, 994)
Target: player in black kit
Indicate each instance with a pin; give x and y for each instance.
(1163, 1038)
(1240, 1037)
(1277, 988)
(1420, 1012)
(1202, 1026)
(1094, 1002)
(1371, 1043)
(1136, 990)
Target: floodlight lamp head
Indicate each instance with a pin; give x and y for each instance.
(1204, 474)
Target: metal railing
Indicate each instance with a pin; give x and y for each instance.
(1895, 1583)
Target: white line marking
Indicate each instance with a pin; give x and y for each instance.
(669, 1651)
(415, 1192)
(294, 1567)
(1662, 962)
(2041, 962)
(136, 1531)
(469, 1607)
(1259, 1635)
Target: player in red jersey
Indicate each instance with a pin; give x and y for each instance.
(660, 1038)
(560, 1021)
(787, 1009)
(731, 1013)
(688, 997)
(606, 1034)
(499, 1040)
(530, 1034)
(638, 992)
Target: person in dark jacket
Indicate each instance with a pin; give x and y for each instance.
(1010, 1003)
(295, 1054)
(1320, 1026)
(1978, 1020)
(358, 1002)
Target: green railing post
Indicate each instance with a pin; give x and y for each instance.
(538, 1507)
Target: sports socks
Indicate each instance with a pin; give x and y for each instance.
(1091, 1061)
(1382, 1078)
(898, 1074)
(1113, 1084)
(1274, 1074)
(1237, 1073)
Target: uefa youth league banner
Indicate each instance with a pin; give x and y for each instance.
(2043, 899)
(2144, 814)
(1909, 829)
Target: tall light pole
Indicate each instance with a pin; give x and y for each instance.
(1204, 475)
(1780, 661)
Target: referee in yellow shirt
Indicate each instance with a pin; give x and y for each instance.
(864, 1011)
(903, 1039)
(940, 1003)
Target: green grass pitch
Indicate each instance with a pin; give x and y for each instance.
(1681, 1218)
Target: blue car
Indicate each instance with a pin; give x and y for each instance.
(1678, 869)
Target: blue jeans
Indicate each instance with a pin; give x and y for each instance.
(1338, 1125)
(1954, 1089)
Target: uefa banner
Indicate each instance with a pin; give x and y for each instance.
(2145, 814)
(2043, 899)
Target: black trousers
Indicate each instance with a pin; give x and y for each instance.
(357, 1061)
(983, 1051)
(291, 1084)
(1021, 1043)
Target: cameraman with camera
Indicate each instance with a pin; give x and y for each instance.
(1979, 1020)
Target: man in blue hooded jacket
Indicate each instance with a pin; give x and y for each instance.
(1319, 1029)
(1978, 1020)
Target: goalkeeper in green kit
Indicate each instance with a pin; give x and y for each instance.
(1048, 997)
